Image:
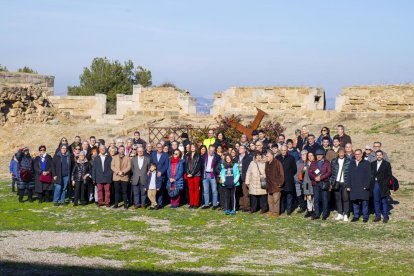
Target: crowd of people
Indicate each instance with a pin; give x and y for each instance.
(314, 175)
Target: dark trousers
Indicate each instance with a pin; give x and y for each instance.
(29, 194)
(121, 187)
(380, 201)
(342, 200)
(45, 196)
(287, 202)
(320, 196)
(229, 198)
(13, 184)
(222, 196)
(80, 187)
(139, 194)
(357, 208)
(258, 201)
(71, 191)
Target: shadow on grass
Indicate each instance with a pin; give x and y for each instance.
(21, 268)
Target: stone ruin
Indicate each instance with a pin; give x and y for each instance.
(24, 98)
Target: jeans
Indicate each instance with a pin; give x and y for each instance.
(139, 194)
(60, 192)
(206, 185)
(287, 202)
(357, 205)
(378, 201)
(318, 196)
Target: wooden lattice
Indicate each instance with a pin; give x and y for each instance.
(156, 134)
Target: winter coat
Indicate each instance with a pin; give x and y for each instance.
(57, 167)
(359, 180)
(289, 171)
(312, 148)
(255, 170)
(13, 169)
(383, 176)
(335, 170)
(37, 166)
(319, 140)
(294, 153)
(275, 177)
(158, 181)
(325, 171)
(306, 182)
(99, 175)
(120, 165)
(193, 165)
(244, 166)
(236, 175)
(81, 169)
(179, 175)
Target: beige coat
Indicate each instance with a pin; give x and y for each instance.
(253, 177)
(118, 166)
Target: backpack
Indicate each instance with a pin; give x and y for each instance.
(25, 169)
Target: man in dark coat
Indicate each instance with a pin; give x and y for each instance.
(359, 179)
(244, 160)
(274, 181)
(160, 159)
(319, 173)
(380, 179)
(61, 170)
(289, 171)
(102, 176)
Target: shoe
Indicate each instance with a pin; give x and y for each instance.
(156, 207)
(227, 212)
(215, 207)
(143, 206)
(75, 204)
(354, 219)
(205, 207)
(31, 200)
(115, 206)
(233, 213)
(126, 206)
(377, 219)
(244, 210)
(339, 217)
(289, 213)
(346, 219)
(136, 206)
(365, 220)
(324, 218)
(385, 220)
(108, 205)
(262, 212)
(307, 214)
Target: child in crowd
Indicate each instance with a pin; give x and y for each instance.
(153, 185)
(229, 178)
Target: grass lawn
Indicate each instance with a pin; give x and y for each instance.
(184, 241)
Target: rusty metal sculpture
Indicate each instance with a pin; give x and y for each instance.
(255, 124)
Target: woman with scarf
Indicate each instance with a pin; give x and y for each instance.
(26, 173)
(129, 147)
(80, 174)
(175, 175)
(43, 175)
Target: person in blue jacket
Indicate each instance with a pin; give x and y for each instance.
(14, 172)
(229, 179)
(175, 181)
(160, 159)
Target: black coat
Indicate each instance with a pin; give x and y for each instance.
(57, 168)
(359, 180)
(102, 176)
(335, 170)
(289, 169)
(39, 186)
(312, 148)
(383, 175)
(247, 159)
(193, 166)
(80, 170)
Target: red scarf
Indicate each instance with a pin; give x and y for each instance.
(174, 163)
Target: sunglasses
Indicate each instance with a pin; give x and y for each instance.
(324, 130)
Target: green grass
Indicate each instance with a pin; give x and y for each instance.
(208, 241)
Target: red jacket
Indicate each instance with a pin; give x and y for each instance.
(325, 171)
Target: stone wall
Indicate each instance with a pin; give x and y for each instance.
(376, 99)
(156, 101)
(13, 79)
(86, 107)
(24, 98)
(272, 99)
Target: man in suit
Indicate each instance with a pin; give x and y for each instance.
(160, 159)
(380, 179)
(359, 180)
(244, 162)
(102, 176)
(140, 168)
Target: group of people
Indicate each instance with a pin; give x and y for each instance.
(251, 175)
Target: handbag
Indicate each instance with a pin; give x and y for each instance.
(263, 183)
(45, 178)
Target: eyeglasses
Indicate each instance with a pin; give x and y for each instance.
(324, 130)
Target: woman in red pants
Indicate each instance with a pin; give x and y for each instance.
(193, 172)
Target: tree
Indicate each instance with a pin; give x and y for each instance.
(110, 78)
(26, 70)
(3, 68)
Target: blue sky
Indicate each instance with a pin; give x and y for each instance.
(208, 46)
